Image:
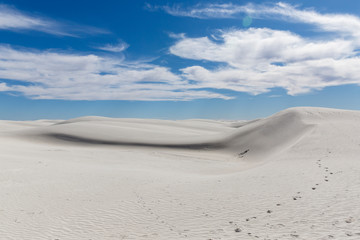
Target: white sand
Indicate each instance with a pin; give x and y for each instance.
(100, 178)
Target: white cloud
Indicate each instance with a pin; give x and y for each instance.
(202, 11)
(344, 23)
(51, 75)
(119, 47)
(338, 23)
(296, 78)
(255, 60)
(176, 35)
(252, 60)
(256, 46)
(14, 20)
(258, 59)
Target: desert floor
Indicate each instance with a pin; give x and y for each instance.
(293, 175)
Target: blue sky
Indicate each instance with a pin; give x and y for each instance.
(176, 59)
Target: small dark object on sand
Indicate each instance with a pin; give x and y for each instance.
(244, 152)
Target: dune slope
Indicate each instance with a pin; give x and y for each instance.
(258, 139)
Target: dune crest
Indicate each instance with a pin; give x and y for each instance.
(258, 139)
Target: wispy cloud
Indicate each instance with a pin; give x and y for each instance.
(118, 47)
(202, 11)
(51, 75)
(344, 23)
(12, 19)
(176, 35)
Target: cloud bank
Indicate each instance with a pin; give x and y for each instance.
(51, 75)
(251, 60)
(258, 59)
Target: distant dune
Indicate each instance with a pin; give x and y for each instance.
(292, 175)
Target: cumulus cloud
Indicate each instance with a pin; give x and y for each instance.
(252, 60)
(256, 46)
(258, 59)
(14, 20)
(255, 60)
(51, 75)
(296, 78)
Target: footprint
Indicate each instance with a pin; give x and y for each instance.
(237, 230)
(243, 153)
(294, 235)
(296, 197)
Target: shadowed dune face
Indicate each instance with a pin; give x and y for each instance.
(84, 140)
(255, 140)
(258, 140)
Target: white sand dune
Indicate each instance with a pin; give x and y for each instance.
(293, 175)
